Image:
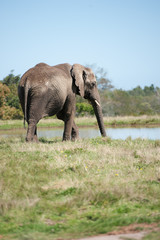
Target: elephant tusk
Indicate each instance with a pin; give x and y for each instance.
(97, 103)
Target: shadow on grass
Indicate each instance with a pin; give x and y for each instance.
(49, 141)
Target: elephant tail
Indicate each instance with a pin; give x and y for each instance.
(26, 89)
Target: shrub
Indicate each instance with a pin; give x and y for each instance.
(7, 113)
(84, 109)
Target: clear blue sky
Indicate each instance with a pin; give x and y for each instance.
(122, 36)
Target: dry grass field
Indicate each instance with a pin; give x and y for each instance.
(65, 190)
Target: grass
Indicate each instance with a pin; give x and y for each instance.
(65, 190)
(89, 121)
(153, 235)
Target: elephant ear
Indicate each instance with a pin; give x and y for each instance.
(79, 74)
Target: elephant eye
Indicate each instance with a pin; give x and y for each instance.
(93, 84)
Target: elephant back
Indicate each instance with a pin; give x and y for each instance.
(42, 72)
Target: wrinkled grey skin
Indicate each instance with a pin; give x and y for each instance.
(45, 91)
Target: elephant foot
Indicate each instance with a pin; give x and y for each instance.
(74, 138)
(34, 139)
(65, 139)
(74, 134)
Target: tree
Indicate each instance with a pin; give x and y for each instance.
(149, 90)
(138, 91)
(4, 92)
(11, 79)
(9, 103)
(103, 82)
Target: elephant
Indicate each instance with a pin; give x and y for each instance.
(51, 90)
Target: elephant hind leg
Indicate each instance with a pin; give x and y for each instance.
(32, 131)
(35, 138)
(73, 133)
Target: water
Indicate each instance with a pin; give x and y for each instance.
(114, 133)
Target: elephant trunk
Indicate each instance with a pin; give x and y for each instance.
(98, 112)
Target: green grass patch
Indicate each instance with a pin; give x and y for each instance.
(65, 190)
(88, 122)
(153, 235)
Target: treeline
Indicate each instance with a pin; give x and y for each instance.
(9, 102)
(115, 102)
(139, 101)
(118, 102)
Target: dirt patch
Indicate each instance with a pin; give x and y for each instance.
(134, 228)
(133, 231)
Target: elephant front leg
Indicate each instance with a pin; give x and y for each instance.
(67, 128)
(75, 132)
